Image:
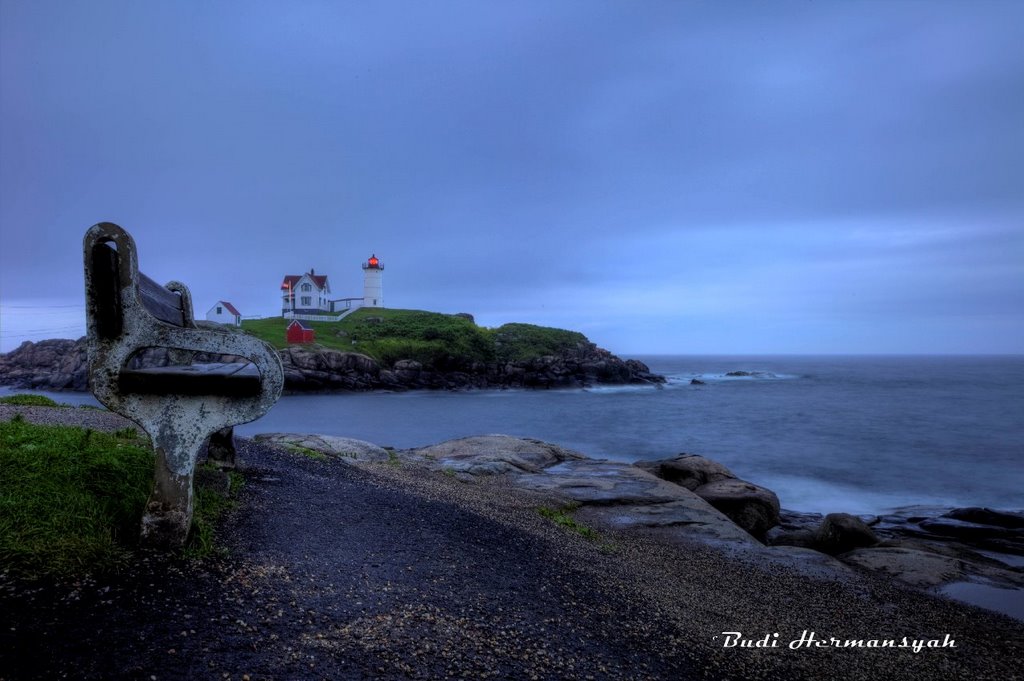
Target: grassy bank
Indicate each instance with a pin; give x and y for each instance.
(71, 499)
(28, 400)
(435, 339)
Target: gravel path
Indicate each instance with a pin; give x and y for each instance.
(386, 571)
(97, 419)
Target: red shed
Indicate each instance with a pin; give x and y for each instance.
(297, 333)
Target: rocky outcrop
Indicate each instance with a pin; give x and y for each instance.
(976, 529)
(602, 493)
(612, 495)
(345, 449)
(842, 532)
(688, 470)
(752, 507)
(919, 546)
(310, 370)
(603, 483)
(914, 566)
(495, 454)
(988, 517)
(56, 364)
(929, 564)
(61, 365)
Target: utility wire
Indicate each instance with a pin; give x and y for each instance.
(36, 332)
(37, 307)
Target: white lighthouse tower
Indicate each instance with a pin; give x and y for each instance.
(373, 293)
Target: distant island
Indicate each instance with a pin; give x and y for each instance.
(379, 349)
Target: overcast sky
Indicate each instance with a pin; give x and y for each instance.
(734, 177)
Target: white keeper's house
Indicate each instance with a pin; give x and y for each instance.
(224, 313)
(308, 296)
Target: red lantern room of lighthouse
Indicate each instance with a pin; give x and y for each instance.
(373, 289)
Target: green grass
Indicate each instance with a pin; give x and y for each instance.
(305, 451)
(210, 506)
(562, 517)
(126, 433)
(71, 499)
(514, 342)
(438, 341)
(27, 400)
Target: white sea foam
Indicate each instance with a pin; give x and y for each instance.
(814, 495)
(616, 389)
(685, 379)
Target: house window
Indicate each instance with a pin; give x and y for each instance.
(307, 300)
(307, 287)
(219, 310)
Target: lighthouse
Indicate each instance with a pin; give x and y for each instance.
(373, 293)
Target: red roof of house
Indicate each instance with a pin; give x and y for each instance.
(290, 280)
(230, 308)
(301, 325)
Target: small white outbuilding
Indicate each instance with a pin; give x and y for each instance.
(224, 313)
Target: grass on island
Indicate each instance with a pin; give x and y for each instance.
(27, 400)
(71, 499)
(436, 340)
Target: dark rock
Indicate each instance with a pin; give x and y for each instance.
(751, 374)
(920, 568)
(842, 532)
(962, 529)
(687, 470)
(56, 364)
(987, 516)
(777, 536)
(409, 372)
(697, 381)
(220, 448)
(795, 528)
(928, 564)
(641, 373)
(799, 520)
(937, 525)
(62, 365)
(752, 507)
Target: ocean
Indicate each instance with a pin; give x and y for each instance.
(858, 434)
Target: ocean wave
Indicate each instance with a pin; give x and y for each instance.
(615, 389)
(815, 495)
(721, 377)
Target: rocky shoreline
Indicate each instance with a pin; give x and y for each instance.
(691, 498)
(60, 364)
(505, 557)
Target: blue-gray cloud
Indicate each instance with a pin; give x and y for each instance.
(655, 173)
